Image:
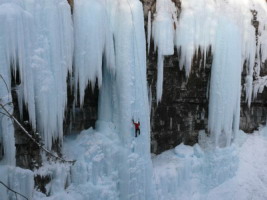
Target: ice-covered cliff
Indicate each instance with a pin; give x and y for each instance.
(48, 53)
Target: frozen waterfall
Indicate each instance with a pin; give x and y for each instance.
(103, 44)
(204, 24)
(38, 46)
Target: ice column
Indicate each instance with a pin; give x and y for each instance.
(37, 43)
(51, 62)
(195, 31)
(13, 41)
(123, 94)
(163, 32)
(225, 83)
(132, 100)
(93, 43)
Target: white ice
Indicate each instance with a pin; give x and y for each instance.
(37, 45)
(37, 41)
(93, 43)
(225, 84)
(20, 180)
(202, 173)
(163, 32)
(197, 172)
(226, 28)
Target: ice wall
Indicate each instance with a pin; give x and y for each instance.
(235, 32)
(190, 172)
(109, 47)
(20, 180)
(37, 47)
(123, 92)
(225, 84)
(163, 31)
(93, 43)
(13, 40)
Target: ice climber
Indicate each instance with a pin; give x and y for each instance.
(137, 127)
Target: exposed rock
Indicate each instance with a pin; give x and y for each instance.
(179, 117)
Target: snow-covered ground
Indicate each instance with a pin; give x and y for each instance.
(193, 173)
(250, 180)
(40, 39)
(101, 161)
(184, 173)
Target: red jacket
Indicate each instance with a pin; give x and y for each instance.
(137, 125)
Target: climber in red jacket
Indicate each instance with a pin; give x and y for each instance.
(137, 128)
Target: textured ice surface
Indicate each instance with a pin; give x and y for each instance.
(37, 47)
(20, 180)
(163, 32)
(198, 173)
(226, 28)
(225, 84)
(101, 161)
(93, 43)
(195, 31)
(123, 93)
(36, 40)
(43, 46)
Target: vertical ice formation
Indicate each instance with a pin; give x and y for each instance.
(163, 32)
(196, 27)
(195, 31)
(50, 63)
(132, 99)
(201, 25)
(254, 14)
(37, 43)
(123, 94)
(13, 20)
(148, 31)
(225, 83)
(20, 180)
(93, 43)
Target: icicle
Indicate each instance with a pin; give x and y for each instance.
(93, 38)
(39, 40)
(12, 18)
(160, 77)
(51, 62)
(225, 85)
(195, 29)
(148, 31)
(198, 28)
(163, 35)
(125, 96)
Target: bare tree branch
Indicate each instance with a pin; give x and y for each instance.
(4, 114)
(8, 103)
(5, 83)
(11, 116)
(13, 191)
(34, 140)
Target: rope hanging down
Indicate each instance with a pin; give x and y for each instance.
(13, 191)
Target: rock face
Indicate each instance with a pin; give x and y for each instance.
(183, 111)
(179, 117)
